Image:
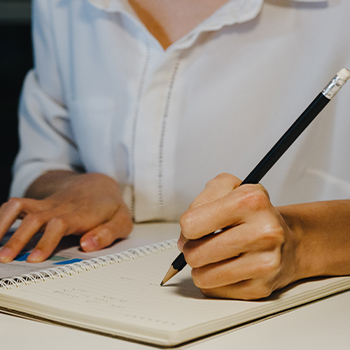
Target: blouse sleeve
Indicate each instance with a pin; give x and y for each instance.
(46, 139)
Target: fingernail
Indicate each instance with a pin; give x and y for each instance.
(35, 256)
(89, 244)
(5, 255)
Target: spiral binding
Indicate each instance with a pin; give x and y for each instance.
(86, 265)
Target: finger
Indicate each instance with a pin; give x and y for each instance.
(233, 209)
(251, 289)
(56, 228)
(104, 235)
(14, 209)
(261, 235)
(216, 188)
(78, 223)
(30, 225)
(262, 266)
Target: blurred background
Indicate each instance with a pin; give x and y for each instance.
(15, 61)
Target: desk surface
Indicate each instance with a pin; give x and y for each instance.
(321, 325)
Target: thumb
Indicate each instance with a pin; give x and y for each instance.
(216, 188)
(105, 234)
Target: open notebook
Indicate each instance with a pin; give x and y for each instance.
(120, 295)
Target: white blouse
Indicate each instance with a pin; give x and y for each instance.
(104, 96)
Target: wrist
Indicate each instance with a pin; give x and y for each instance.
(305, 253)
(323, 240)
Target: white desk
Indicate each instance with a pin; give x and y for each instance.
(322, 325)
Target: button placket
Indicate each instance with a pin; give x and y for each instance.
(150, 136)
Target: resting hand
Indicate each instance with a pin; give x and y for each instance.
(256, 252)
(89, 205)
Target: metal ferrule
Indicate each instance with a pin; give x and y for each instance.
(333, 87)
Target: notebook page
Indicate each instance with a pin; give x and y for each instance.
(126, 299)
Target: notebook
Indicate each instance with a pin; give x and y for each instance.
(120, 295)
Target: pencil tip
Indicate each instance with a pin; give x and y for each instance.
(161, 284)
(171, 273)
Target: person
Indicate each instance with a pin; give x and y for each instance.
(133, 106)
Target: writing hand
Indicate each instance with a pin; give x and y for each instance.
(256, 252)
(89, 205)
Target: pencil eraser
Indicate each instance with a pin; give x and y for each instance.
(344, 74)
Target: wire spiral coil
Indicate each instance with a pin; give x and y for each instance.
(85, 265)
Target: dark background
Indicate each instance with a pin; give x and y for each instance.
(15, 61)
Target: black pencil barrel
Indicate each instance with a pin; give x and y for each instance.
(287, 139)
(179, 263)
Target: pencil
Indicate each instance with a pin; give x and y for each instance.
(280, 147)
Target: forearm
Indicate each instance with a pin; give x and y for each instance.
(50, 183)
(322, 230)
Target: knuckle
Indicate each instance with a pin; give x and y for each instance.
(272, 237)
(269, 264)
(14, 202)
(34, 219)
(263, 190)
(59, 223)
(254, 198)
